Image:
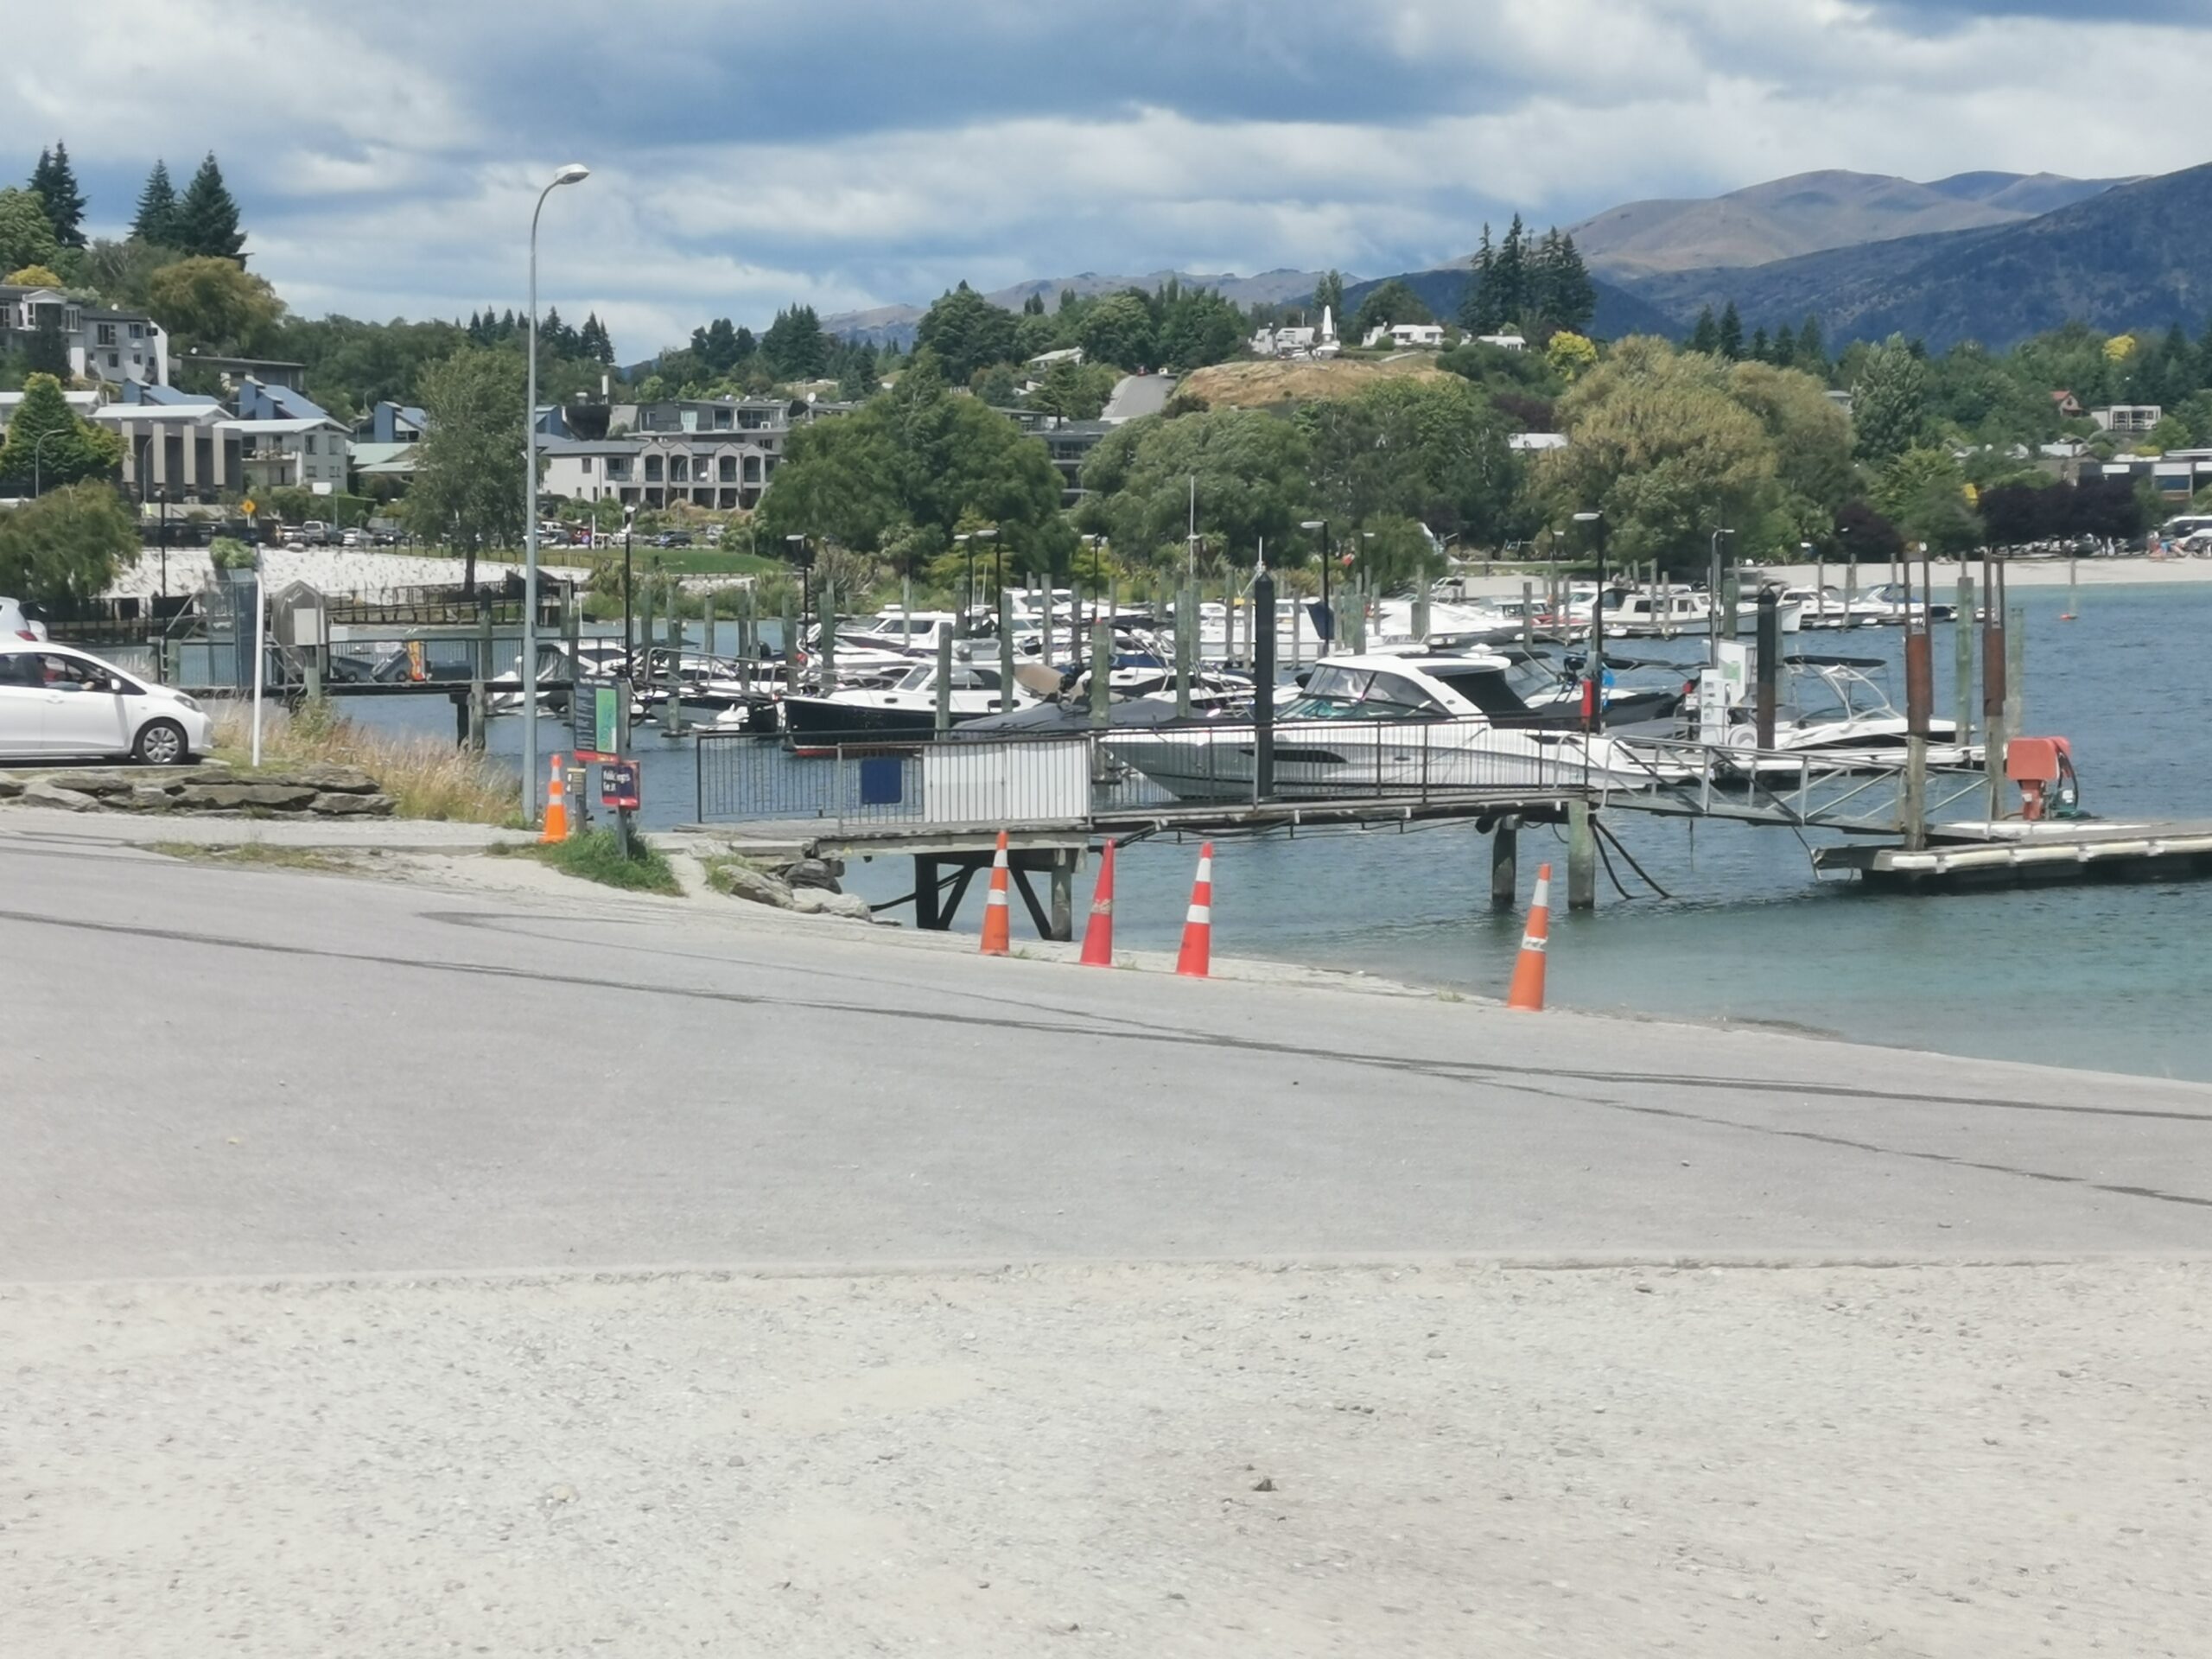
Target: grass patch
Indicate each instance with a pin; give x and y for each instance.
(425, 778)
(257, 853)
(596, 855)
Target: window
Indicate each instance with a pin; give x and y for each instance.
(310, 443)
(114, 361)
(106, 334)
(583, 463)
(653, 469)
(137, 331)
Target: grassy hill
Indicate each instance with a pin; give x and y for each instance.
(1268, 383)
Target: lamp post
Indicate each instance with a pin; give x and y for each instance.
(797, 544)
(38, 453)
(629, 635)
(967, 588)
(1594, 703)
(573, 173)
(1328, 616)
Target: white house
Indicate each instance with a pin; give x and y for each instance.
(102, 345)
(1503, 342)
(1066, 354)
(2127, 417)
(1535, 443)
(1408, 336)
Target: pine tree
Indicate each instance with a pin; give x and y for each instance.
(1732, 332)
(1785, 348)
(1762, 348)
(1476, 312)
(1510, 275)
(1705, 336)
(56, 184)
(207, 218)
(157, 217)
(1329, 296)
(1562, 293)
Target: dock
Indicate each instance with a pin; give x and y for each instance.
(2007, 852)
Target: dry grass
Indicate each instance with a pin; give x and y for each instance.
(425, 779)
(1264, 384)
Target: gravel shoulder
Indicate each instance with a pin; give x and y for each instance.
(1144, 1459)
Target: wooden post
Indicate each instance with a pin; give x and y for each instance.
(1420, 610)
(1581, 858)
(645, 634)
(1962, 659)
(480, 695)
(828, 656)
(1063, 897)
(707, 629)
(1006, 651)
(790, 648)
(943, 721)
(926, 915)
(1995, 656)
(1504, 863)
(1527, 613)
(1186, 648)
(2016, 672)
(1101, 669)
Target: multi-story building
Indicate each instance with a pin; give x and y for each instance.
(119, 347)
(717, 453)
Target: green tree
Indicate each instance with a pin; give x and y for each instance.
(468, 483)
(34, 276)
(1392, 302)
(1658, 445)
(1329, 296)
(1570, 355)
(1198, 326)
(156, 219)
(1118, 329)
(1252, 473)
(1924, 493)
(1811, 442)
(967, 332)
(1562, 293)
(1888, 401)
(1508, 277)
(46, 444)
(206, 219)
(794, 347)
(1731, 333)
(67, 546)
(1479, 312)
(1705, 336)
(26, 233)
(2171, 433)
(1074, 391)
(54, 182)
(1811, 355)
(214, 305)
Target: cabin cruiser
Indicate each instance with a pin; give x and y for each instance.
(902, 713)
(1834, 709)
(1649, 613)
(1381, 723)
(895, 630)
(1829, 606)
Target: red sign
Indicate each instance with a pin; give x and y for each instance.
(618, 785)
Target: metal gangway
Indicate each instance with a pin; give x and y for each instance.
(1861, 792)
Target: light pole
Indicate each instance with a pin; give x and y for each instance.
(797, 544)
(573, 173)
(38, 453)
(629, 636)
(1593, 707)
(1328, 638)
(1715, 611)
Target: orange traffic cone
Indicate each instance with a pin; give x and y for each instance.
(556, 805)
(996, 939)
(1198, 921)
(1098, 935)
(1527, 992)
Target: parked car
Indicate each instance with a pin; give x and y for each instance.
(354, 538)
(673, 538)
(58, 701)
(16, 623)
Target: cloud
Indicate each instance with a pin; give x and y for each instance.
(857, 152)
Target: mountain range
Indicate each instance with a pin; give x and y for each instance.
(1991, 256)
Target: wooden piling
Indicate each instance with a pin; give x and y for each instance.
(829, 653)
(1581, 858)
(1504, 864)
(1186, 648)
(790, 626)
(1102, 667)
(2016, 672)
(1006, 652)
(1962, 659)
(1063, 895)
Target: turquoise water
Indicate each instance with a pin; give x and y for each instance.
(2112, 976)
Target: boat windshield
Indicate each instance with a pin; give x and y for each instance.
(1340, 693)
(916, 679)
(1825, 696)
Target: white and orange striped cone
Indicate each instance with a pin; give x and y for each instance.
(556, 805)
(997, 935)
(1098, 932)
(1197, 922)
(1527, 992)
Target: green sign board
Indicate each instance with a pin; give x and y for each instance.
(607, 729)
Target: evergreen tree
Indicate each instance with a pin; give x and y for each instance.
(794, 345)
(1477, 313)
(1785, 346)
(1762, 348)
(1705, 336)
(475, 329)
(1562, 295)
(1329, 295)
(1731, 333)
(1811, 355)
(1510, 275)
(507, 324)
(592, 341)
(56, 184)
(1068, 301)
(156, 220)
(207, 216)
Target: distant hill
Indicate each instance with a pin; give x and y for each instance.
(2138, 256)
(895, 325)
(1809, 213)
(1619, 312)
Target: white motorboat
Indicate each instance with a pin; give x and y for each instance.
(1833, 710)
(903, 713)
(1829, 606)
(1384, 724)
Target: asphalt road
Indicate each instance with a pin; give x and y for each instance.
(363, 1291)
(222, 1070)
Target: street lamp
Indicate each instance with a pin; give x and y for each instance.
(1322, 524)
(1593, 695)
(573, 173)
(38, 451)
(629, 636)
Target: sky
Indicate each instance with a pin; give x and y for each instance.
(855, 153)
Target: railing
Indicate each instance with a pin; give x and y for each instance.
(1859, 792)
(742, 777)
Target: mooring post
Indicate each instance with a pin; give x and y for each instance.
(644, 670)
(1528, 612)
(1850, 592)
(707, 629)
(1063, 896)
(1962, 659)
(789, 625)
(926, 916)
(1504, 863)
(2016, 672)
(1186, 648)
(943, 721)
(1263, 686)
(1919, 705)
(829, 635)
(1006, 651)
(480, 695)
(1994, 657)
(1581, 858)
(1102, 667)
(1731, 597)
(2073, 589)
(1421, 610)
(1769, 664)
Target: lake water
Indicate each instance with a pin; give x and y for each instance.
(2113, 976)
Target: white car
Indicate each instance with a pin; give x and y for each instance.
(15, 625)
(59, 702)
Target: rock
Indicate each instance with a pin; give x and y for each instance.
(814, 901)
(1265, 1483)
(9, 788)
(743, 881)
(42, 791)
(150, 797)
(342, 806)
(99, 783)
(330, 780)
(811, 872)
(277, 798)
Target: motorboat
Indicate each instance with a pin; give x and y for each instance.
(1385, 724)
(901, 714)
(896, 630)
(1835, 710)
(1653, 613)
(1829, 606)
